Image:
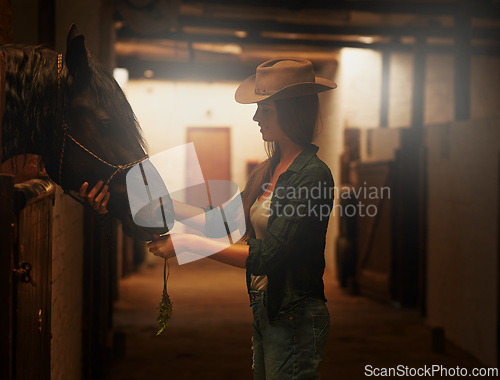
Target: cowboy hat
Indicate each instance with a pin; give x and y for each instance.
(280, 79)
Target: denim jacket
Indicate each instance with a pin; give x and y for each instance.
(292, 251)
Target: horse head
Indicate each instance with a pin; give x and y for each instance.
(70, 111)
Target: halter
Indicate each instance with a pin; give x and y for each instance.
(118, 168)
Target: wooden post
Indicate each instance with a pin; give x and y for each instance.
(2, 99)
(384, 105)
(6, 265)
(498, 259)
(462, 62)
(5, 22)
(46, 22)
(5, 37)
(417, 113)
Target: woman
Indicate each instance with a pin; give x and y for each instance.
(286, 205)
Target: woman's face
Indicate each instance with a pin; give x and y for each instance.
(267, 118)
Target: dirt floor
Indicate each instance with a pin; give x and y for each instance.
(209, 334)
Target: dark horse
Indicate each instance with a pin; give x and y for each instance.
(74, 115)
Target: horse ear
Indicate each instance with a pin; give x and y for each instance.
(76, 56)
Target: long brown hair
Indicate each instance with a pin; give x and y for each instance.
(298, 119)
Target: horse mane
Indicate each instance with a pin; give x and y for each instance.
(31, 106)
(35, 104)
(111, 97)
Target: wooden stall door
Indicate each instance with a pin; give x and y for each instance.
(100, 285)
(26, 263)
(375, 268)
(213, 148)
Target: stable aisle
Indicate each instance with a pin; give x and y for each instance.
(209, 334)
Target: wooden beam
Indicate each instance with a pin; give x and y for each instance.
(187, 70)
(498, 258)
(463, 67)
(256, 27)
(5, 38)
(482, 8)
(418, 101)
(46, 22)
(6, 266)
(5, 22)
(384, 106)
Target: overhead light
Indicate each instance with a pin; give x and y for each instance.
(366, 39)
(218, 48)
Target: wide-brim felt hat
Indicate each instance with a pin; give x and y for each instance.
(280, 79)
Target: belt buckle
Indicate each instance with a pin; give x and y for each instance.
(254, 295)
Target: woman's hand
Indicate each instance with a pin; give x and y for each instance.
(162, 246)
(100, 202)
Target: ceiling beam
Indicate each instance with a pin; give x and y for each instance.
(257, 27)
(478, 8)
(236, 71)
(332, 44)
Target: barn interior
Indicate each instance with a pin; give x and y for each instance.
(412, 251)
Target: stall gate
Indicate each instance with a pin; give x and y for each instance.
(25, 277)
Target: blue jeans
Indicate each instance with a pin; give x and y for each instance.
(292, 346)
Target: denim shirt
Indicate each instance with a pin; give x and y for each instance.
(292, 252)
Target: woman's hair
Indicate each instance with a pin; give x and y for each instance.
(298, 119)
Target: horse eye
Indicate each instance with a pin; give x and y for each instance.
(106, 124)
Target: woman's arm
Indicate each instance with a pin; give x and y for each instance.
(169, 245)
(191, 216)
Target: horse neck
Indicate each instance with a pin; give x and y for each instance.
(32, 111)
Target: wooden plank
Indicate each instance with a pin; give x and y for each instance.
(418, 99)
(384, 106)
(434, 8)
(422, 231)
(5, 38)
(2, 99)
(5, 22)
(375, 253)
(498, 259)
(407, 203)
(463, 65)
(33, 320)
(6, 265)
(98, 295)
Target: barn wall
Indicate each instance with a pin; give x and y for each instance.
(463, 173)
(25, 21)
(166, 109)
(94, 22)
(67, 243)
(462, 233)
(67, 288)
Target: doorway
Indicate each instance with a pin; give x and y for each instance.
(213, 149)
